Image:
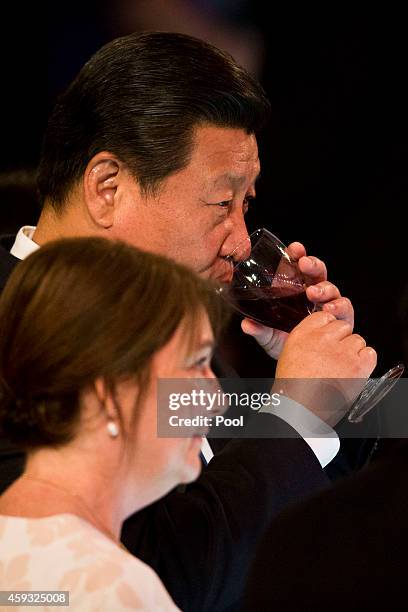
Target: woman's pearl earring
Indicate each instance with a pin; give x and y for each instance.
(113, 429)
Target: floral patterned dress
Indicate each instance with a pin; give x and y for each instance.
(66, 553)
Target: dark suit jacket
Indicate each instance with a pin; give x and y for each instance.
(345, 549)
(7, 261)
(200, 539)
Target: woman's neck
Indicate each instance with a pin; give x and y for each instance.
(47, 488)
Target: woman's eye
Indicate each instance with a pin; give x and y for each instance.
(201, 363)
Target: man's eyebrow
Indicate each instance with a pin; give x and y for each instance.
(237, 180)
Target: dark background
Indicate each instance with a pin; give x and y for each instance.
(333, 158)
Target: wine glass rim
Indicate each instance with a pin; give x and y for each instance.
(263, 231)
(258, 234)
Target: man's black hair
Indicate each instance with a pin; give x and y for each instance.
(140, 97)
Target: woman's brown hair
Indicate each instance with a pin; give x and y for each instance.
(82, 308)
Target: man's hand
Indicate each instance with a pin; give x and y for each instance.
(334, 361)
(318, 290)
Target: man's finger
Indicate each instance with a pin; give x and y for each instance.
(313, 270)
(355, 340)
(340, 329)
(369, 357)
(271, 340)
(322, 292)
(296, 250)
(342, 308)
(316, 320)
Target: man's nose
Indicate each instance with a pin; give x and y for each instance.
(237, 245)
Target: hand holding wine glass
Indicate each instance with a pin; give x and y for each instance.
(268, 288)
(324, 366)
(324, 294)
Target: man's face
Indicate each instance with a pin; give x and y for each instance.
(198, 217)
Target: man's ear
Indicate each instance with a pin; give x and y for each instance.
(100, 186)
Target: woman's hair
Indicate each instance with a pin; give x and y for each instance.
(82, 308)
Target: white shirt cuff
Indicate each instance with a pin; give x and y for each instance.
(321, 438)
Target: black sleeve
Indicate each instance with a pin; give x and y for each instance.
(358, 443)
(201, 540)
(341, 550)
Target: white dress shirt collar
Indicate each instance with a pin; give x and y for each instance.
(24, 244)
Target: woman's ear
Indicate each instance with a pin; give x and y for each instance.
(105, 398)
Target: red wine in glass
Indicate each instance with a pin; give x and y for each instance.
(272, 306)
(267, 285)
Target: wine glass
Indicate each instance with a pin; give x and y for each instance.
(267, 286)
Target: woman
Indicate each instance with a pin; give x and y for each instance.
(87, 326)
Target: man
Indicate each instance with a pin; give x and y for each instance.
(155, 143)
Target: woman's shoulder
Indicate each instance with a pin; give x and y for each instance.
(66, 553)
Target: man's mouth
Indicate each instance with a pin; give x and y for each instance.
(221, 270)
(226, 271)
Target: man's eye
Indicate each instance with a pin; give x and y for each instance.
(246, 203)
(224, 203)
